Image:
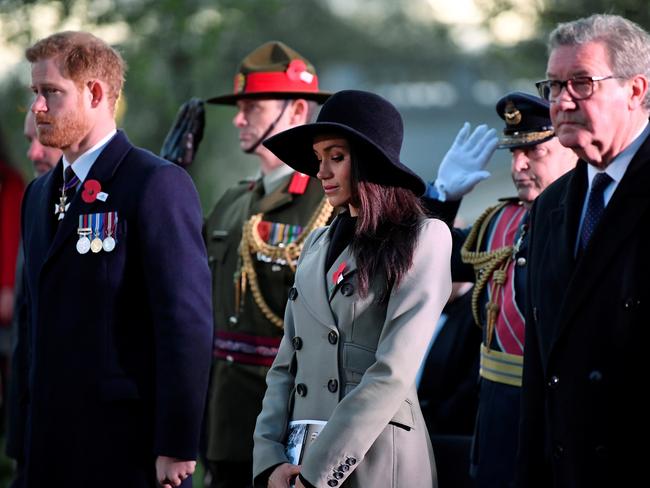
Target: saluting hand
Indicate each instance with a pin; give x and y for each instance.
(464, 164)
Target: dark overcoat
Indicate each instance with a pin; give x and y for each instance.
(584, 406)
(112, 367)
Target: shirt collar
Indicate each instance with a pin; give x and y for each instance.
(616, 169)
(83, 163)
(273, 180)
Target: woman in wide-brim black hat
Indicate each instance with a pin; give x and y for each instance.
(368, 292)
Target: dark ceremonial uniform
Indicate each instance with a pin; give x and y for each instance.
(494, 256)
(112, 367)
(249, 304)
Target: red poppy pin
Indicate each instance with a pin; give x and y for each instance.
(337, 277)
(90, 191)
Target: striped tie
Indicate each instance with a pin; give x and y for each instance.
(70, 183)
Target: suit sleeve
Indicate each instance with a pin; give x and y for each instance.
(178, 293)
(270, 429)
(412, 312)
(531, 453)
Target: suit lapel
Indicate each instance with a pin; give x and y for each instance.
(620, 219)
(44, 228)
(103, 171)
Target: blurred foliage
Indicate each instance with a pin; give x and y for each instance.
(176, 49)
(528, 58)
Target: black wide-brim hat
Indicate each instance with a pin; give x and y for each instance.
(527, 118)
(371, 124)
(274, 71)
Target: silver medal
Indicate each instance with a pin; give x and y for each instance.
(109, 244)
(83, 245)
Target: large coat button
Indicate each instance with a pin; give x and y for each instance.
(554, 382)
(332, 337)
(333, 385)
(347, 289)
(301, 389)
(344, 467)
(558, 451)
(293, 293)
(297, 343)
(338, 475)
(332, 483)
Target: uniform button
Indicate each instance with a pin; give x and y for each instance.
(233, 320)
(601, 451)
(558, 451)
(293, 293)
(332, 337)
(332, 385)
(521, 261)
(301, 389)
(344, 467)
(347, 289)
(297, 343)
(332, 482)
(338, 475)
(595, 376)
(211, 259)
(350, 461)
(553, 382)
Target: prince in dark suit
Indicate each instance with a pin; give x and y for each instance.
(112, 367)
(584, 408)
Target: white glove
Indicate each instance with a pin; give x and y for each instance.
(463, 165)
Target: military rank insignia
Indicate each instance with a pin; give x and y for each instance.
(97, 232)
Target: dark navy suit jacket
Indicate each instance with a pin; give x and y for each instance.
(112, 367)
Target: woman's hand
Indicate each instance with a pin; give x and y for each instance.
(282, 475)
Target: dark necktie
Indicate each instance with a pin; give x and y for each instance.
(70, 183)
(595, 207)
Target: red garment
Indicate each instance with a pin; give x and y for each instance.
(11, 195)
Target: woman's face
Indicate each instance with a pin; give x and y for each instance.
(335, 169)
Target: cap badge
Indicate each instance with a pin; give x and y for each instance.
(240, 82)
(512, 114)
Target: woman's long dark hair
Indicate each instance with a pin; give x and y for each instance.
(386, 232)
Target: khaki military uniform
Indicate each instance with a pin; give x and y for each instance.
(246, 340)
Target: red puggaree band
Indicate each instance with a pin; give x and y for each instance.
(275, 82)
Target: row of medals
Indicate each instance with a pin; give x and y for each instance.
(84, 244)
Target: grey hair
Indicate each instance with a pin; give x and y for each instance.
(627, 44)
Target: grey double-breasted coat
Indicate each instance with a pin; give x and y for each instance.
(352, 361)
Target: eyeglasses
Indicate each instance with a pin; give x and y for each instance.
(579, 87)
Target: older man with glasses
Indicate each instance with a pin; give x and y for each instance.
(583, 406)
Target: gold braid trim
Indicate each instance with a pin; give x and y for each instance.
(486, 264)
(252, 243)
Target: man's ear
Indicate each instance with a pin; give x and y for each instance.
(96, 92)
(639, 89)
(299, 112)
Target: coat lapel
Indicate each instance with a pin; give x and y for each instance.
(620, 219)
(102, 170)
(311, 281)
(344, 266)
